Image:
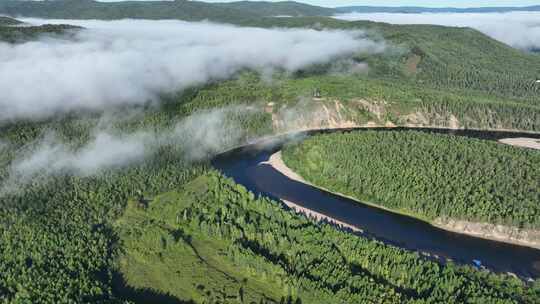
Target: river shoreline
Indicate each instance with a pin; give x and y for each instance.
(277, 137)
(522, 142)
(299, 209)
(510, 235)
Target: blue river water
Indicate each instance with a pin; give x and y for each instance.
(245, 166)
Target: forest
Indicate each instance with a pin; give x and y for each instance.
(199, 10)
(427, 175)
(417, 10)
(442, 57)
(179, 9)
(156, 227)
(12, 32)
(434, 66)
(257, 252)
(437, 56)
(9, 21)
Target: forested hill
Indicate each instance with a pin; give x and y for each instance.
(10, 32)
(179, 9)
(418, 9)
(8, 21)
(162, 228)
(444, 57)
(467, 59)
(283, 8)
(198, 10)
(426, 55)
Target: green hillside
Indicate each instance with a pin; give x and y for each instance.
(466, 59)
(15, 34)
(179, 9)
(229, 247)
(282, 8)
(441, 57)
(9, 21)
(438, 56)
(169, 229)
(198, 10)
(418, 9)
(436, 71)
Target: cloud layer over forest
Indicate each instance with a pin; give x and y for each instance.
(196, 137)
(132, 61)
(518, 29)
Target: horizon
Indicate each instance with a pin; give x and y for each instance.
(386, 3)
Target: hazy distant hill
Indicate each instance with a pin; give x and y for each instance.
(8, 21)
(416, 9)
(9, 32)
(284, 8)
(179, 9)
(197, 10)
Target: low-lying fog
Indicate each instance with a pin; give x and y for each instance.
(196, 137)
(132, 61)
(518, 29)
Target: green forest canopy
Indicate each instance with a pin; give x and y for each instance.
(229, 246)
(179, 9)
(66, 238)
(437, 72)
(8, 21)
(428, 175)
(199, 10)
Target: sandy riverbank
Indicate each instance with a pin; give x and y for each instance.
(276, 162)
(524, 142)
(529, 238)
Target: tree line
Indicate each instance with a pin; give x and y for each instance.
(429, 175)
(316, 263)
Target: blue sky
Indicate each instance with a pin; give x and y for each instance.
(428, 3)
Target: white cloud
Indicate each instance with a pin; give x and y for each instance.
(518, 29)
(104, 151)
(131, 61)
(207, 133)
(197, 137)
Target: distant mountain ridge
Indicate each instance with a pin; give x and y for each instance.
(179, 9)
(283, 8)
(197, 10)
(419, 9)
(8, 21)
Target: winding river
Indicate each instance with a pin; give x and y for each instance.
(246, 165)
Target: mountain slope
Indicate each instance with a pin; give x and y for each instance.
(196, 10)
(283, 8)
(176, 230)
(466, 59)
(179, 9)
(8, 21)
(427, 55)
(418, 9)
(10, 32)
(444, 57)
